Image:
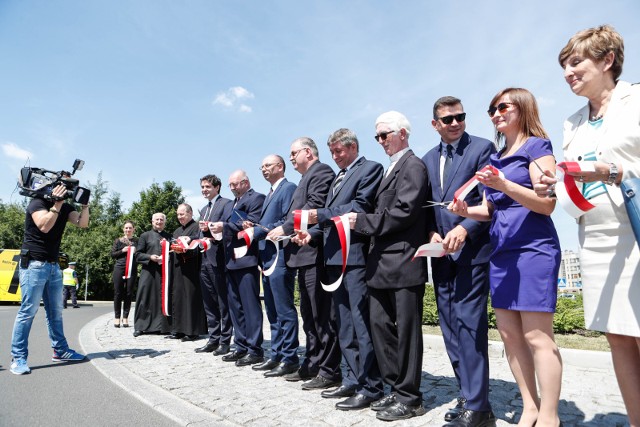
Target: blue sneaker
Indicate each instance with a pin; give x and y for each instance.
(67, 356)
(20, 367)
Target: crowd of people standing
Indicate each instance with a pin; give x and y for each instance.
(350, 239)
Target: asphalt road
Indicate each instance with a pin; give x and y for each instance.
(63, 394)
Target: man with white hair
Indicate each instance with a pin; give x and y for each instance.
(397, 227)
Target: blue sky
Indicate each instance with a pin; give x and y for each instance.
(152, 90)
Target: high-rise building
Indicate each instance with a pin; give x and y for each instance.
(570, 277)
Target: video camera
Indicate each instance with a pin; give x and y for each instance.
(37, 182)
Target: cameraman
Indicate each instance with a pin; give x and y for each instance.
(40, 277)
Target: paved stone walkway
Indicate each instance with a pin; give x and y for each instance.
(202, 390)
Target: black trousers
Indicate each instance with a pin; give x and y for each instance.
(123, 292)
(69, 291)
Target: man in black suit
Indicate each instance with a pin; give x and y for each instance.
(321, 363)
(242, 272)
(353, 190)
(397, 227)
(461, 278)
(213, 279)
(279, 283)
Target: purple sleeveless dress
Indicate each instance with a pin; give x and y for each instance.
(526, 254)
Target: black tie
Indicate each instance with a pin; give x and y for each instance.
(447, 163)
(207, 214)
(338, 180)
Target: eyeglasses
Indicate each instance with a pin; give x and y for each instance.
(294, 154)
(447, 120)
(383, 135)
(502, 107)
(268, 165)
(236, 184)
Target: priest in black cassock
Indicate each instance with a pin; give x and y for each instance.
(188, 319)
(148, 316)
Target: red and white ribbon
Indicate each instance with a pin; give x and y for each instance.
(164, 265)
(216, 236)
(344, 234)
(246, 236)
(185, 243)
(128, 264)
(300, 220)
(567, 192)
(272, 268)
(433, 250)
(464, 191)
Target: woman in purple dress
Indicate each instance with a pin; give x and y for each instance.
(526, 252)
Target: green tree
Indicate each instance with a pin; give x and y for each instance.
(11, 225)
(157, 198)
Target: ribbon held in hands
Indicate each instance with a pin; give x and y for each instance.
(464, 191)
(246, 236)
(567, 192)
(164, 265)
(185, 244)
(300, 220)
(344, 234)
(216, 236)
(433, 250)
(128, 264)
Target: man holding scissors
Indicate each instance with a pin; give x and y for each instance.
(461, 277)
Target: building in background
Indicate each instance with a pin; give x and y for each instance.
(570, 277)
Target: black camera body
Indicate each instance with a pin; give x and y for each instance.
(38, 182)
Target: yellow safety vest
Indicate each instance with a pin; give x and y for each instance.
(67, 277)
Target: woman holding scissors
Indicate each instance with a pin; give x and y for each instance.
(525, 255)
(606, 132)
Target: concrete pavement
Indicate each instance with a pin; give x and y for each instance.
(202, 390)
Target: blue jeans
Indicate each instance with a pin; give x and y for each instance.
(40, 281)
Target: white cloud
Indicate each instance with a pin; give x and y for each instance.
(231, 99)
(10, 149)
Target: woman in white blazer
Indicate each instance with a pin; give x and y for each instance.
(606, 131)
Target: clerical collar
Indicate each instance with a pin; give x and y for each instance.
(394, 158)
(275, 184)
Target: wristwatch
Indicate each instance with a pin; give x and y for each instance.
(613, 174)
(54, 210)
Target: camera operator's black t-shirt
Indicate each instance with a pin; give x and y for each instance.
(44, 246)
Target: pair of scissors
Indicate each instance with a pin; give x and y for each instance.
(431, 203)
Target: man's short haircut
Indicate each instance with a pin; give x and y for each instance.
(159, 213)
(281, 161)
(345, 137)
(305, 141)
(213, 180)
(395, 120)
(445, 101)
(187, 206)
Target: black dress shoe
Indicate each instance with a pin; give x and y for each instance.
(177, 336)
(339, 393)
(282, 369)
(222, 350)
(470, 418)
(383, 403)
(319, 382)
(207, 348)
(455, 412)
(189, 338)
(266, 366)
(400, 411)
(137, 333)
(299, 376)
(357, 401)
(233, 357)
(249, 359)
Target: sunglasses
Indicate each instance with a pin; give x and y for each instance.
(502, 107)
(383, 135)
(447, 120)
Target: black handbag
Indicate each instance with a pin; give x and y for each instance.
(631, 193)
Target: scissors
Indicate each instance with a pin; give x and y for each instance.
(533, 160)
(431, 203)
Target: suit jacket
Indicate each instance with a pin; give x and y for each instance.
(311, 194)
(356, 193)
(215, 254)
(471, 155)
(619, 141)
(274, 213)
(247, 208)
(398, 226)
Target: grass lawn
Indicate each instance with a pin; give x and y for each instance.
(587, 341)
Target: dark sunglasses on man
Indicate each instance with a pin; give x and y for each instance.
(447, 120)
(383, 135)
